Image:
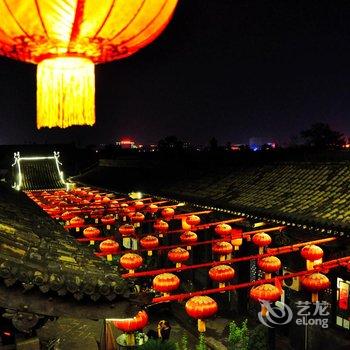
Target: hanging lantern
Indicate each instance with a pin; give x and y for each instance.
(131, 261)
(236, 238)
(315, 283)
(124, 209)
(200, 308)
(131, 325)
(312, 253)
(223, 229)
(108, 220)
(166, 283)
(262, 240)
(91, 233)
(152, 208)
(96, 214)
(168, 213)
(109, 247)
(76, 222)
(137, 218)
(265, 292)
(105, 200)
(139, 205)
(222, 249)
(188, 237)
(149, 242)
(54, 212)
(178, 255)
(67, 215)
(270, 264)
(221, 274)
(193, 220)
(126, 232)
(161, 227)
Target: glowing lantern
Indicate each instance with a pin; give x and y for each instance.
(149, 243)
(193, 220)
(131, 325)
(108, 220)
(109, 247)
(165, 283)
(223, 229)
(188, 237)
(221, 274)
(76, 222)
(168, 213)
(262, 240)
(152, 208)
(178, 256)
(201, 307)
(66, 39)
(54, 212)
(161, 227)
(265, 292)
(91, 233)
(126, 231)
(137, 218)
(131, 261)
(67, 215)
(236, 238)
(269, 264)
(312, 253)
(139, 205)
(96, 214)
(222, 249)
(315, 283)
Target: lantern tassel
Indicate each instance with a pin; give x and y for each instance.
(201, 326)
(65, 92)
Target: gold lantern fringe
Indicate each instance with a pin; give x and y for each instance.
(65, 92)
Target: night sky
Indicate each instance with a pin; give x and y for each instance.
(225, 68)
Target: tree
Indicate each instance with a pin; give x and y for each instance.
(321, 136)
(201, 345)
(170, 144)
(238, 336)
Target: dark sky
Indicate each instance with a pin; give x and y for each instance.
(225, 68)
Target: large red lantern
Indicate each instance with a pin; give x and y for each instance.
(269, 264)
(221, 274)
(67, 215)
(127, 230)
(315, 283)
(265, 292)
(222, 249)
(188, 237)
(149, 242)
(76, 222)
(131, 261)
(152, 208)
(137, 218)
(139, 205)
(312, 253)
(161, 227)
(178, 256)
(193, 220)
(109, 247)
(131, 325)
(91, 233)
(66, 39)
(108, 220)
(223, 229)
(200, 308)
(166, 283)
(262, 240)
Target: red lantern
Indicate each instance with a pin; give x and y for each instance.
(131, 261)
(223, 229)
(108, 220)
(67, 215)
(76, 222)
(152, 208)
(193, 220)
(200, 308)
(168, 213)
(127, 230)
(54, 212)
(109, 247)
(161, 227)
(315, 283)
(265, 292)
(96, 214)
(131, 325)
(149, 242)
(188, 237)
(262, 240)
(222, 249)
(138, 205)
(178, 255)
(91, 233)
(312, 253)
(221, 274)
(105, 200)
(137, 218)
(166, 283)
(269, 265)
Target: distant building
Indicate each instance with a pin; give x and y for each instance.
(259, 143)
(126, 144)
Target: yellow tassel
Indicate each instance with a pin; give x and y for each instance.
(65, 92)
(314, 297)
(130, 339)
(149, 252)
(201, 326)
(109, 257)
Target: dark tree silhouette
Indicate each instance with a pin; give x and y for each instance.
(170, 144)
(320, 135)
